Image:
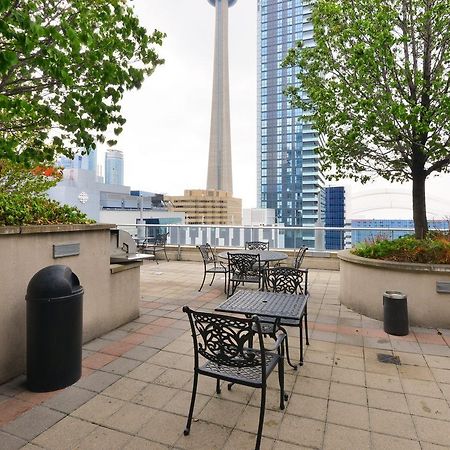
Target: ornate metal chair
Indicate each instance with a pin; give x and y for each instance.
(154, 245)
(211, 265)
(257, 245)
(243, 268)
(288, 280)
(221, 341)
(298, 259)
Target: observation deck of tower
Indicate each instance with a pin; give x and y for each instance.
(219, 163)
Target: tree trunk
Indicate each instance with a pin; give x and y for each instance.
(419, 205)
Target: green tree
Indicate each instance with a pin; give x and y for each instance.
(64, 67)
(24, 199)
(379, 90)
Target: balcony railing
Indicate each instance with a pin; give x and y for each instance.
(315, 238)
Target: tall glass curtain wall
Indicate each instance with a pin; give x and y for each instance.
(289, 178)
(334, 217)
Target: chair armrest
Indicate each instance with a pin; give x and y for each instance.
(280, 339)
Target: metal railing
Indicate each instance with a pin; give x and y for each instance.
(315, 238)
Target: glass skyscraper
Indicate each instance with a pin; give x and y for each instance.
(289, 178)
(334, 216)
(114, 167)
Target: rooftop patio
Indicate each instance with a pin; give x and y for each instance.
(136, 384)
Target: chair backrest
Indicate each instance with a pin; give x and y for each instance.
(298, 259)
(244, 264)
(224, 339)
(287, 279)
(161, 239)
(257, 245)
(207, 253)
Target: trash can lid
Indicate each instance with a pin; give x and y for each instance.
(395, 295)
(52, 282)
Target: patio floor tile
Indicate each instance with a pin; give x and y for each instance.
(383, 442)
(9, 442)
(347, 414)
(388, 422)
(65, 434)
(338, 437)
(204, 435)
(433, 431)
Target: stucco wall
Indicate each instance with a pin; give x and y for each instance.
(111, 297)
(363, 282)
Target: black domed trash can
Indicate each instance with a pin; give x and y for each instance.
(54, 329)
(395, 308)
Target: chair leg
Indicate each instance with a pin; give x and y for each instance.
(225, 286)
(281, 381)
(191, 408)
(218, 390)
(287, 349)
(212, 281)
(203, 282)
(306, 324)
(301, 343)
(261, 417)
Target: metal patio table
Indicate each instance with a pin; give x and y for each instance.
(263, 303)
(264, 255)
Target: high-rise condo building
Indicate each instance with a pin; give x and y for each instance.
(289, 177)
(114, 167)
(219, 164)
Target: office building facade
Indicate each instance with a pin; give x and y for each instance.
(114, 167)
(289, 179)
(207, 207)
(334, 217)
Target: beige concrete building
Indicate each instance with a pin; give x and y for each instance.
(209, 207)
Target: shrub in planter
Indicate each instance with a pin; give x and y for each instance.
(434, 249)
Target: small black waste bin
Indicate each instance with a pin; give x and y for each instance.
(54, 329)
(395, 308)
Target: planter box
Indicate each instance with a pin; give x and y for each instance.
(111, 292)
(364, 280)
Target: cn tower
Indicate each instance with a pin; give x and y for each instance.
(219, 163)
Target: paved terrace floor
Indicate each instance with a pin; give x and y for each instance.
(136, 384)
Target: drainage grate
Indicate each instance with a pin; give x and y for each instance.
(388, 359)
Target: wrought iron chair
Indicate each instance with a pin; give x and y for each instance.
(211, 265)
(154, 245)
(244, 268)
(288, 280)
(257, 245)
(299, 256)
(221, 341)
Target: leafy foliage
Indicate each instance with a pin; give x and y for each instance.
(64, 67)
(378, 90)
(435, 249)
(23, 196)
(16, 178)
(19, 209)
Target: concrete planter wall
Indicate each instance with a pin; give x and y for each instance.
(364, 280)
(111, 292)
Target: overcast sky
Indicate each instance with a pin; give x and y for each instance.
(166, 137)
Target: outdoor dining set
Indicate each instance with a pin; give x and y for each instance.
(229, 344)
